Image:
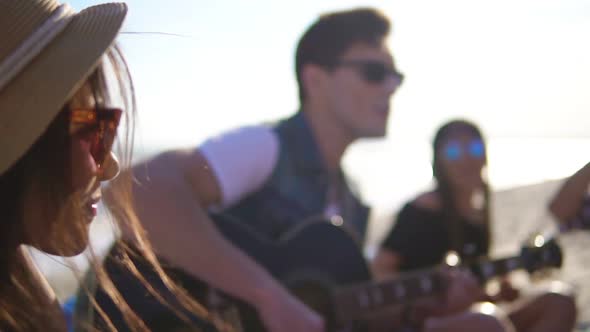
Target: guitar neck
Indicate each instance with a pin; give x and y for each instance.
(353, 302)
(486, 269)
(356, 301)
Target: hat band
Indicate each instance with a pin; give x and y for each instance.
(33, 45)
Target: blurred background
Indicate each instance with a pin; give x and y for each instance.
(520, 69)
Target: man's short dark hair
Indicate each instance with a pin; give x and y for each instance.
(333, 33)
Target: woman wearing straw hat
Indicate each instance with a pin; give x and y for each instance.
(57, 127)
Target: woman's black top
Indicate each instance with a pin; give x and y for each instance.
(421, 238)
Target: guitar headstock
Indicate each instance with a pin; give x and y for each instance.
(541, 253)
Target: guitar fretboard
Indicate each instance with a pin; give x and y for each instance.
(356, 301)
(359, 300)
(484, 270)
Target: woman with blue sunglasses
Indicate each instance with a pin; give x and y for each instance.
(455, 216)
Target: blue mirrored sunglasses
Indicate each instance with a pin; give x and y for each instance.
(454, 150)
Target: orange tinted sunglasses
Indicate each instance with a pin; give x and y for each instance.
(99, 127)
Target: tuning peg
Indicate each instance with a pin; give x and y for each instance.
(538, 241)
(534, 240)
(452, 259)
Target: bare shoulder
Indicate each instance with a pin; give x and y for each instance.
(429, 200)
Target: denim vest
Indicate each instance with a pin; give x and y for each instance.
(298, 187)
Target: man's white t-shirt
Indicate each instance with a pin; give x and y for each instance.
(242, 160)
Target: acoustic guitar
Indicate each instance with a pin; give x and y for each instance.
(324, 266)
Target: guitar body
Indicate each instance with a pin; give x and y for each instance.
(311, 261)
(317, 247)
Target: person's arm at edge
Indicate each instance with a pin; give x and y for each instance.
(566, 203)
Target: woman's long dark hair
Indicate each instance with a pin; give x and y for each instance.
(47, 165)
(450, 211)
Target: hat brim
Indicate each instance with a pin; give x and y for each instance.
(36, 95)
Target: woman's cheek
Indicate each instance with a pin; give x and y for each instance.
(83, 165)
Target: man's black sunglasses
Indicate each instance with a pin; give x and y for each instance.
(373, 71)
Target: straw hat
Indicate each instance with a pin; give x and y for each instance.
(46, 52)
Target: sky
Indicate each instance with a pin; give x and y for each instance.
(518, 68)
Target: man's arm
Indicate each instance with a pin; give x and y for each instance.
(569, 198)
(171, 195)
